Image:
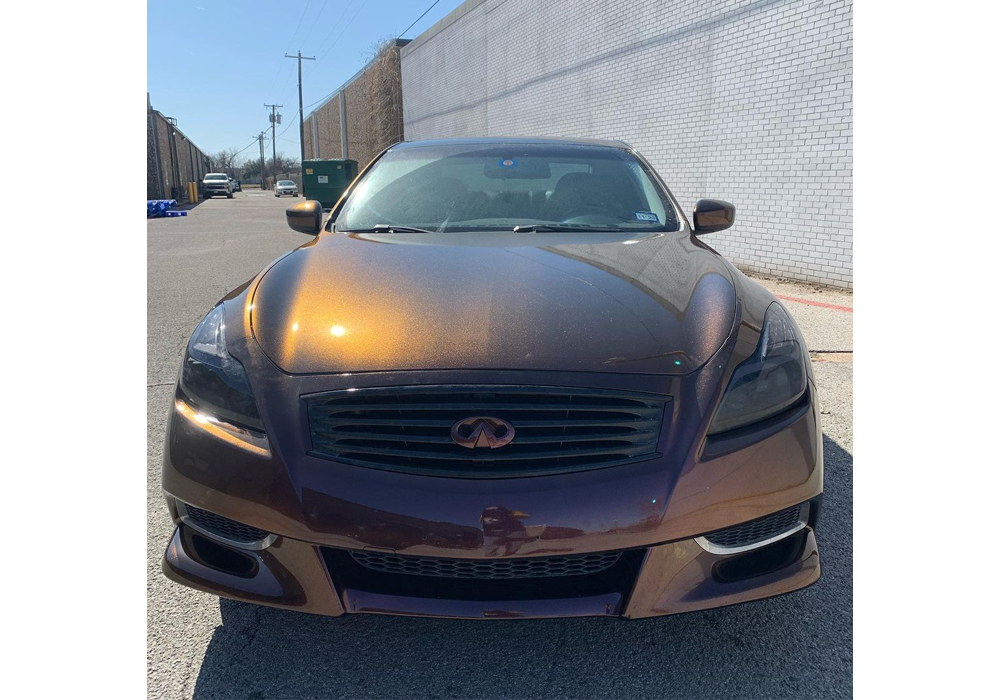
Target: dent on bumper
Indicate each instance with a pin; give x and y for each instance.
(674, 578)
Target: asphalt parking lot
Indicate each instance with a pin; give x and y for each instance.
(796, 646)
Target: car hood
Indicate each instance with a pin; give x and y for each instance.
(647, 303)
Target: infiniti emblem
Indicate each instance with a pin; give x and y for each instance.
(482, 431)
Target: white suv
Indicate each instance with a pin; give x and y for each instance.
(216, 183)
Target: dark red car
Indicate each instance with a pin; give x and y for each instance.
(505, 378)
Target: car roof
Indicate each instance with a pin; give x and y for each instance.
(514, 140)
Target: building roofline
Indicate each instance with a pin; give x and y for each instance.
(178, 130)
(442, 24)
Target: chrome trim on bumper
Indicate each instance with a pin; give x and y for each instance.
(718, 549)
(255, 545)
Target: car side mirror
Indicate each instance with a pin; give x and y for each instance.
(711, 215)
(305, 217)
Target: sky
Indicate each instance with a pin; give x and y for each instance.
(213, 64)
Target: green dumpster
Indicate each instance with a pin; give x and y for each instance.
(326, 179)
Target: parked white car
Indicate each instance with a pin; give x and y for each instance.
(216, 183)
(286, 187)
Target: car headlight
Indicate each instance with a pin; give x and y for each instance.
(772, 380)
(216, 384)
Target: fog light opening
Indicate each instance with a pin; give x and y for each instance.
(219, 557)
(760, 562)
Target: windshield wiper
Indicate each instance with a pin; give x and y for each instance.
(543, 228)
(387, 228)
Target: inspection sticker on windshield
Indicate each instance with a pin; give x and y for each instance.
(646, 216)
(508, 163)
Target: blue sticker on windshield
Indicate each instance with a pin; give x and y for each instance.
(646, 216)
(508, 163)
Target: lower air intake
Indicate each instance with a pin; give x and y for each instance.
(224, 527)
(519, 568)
(759, 530)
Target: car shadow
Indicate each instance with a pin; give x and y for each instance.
(798, 645)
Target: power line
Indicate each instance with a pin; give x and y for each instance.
(284, 130)
(290, 43)
(345, 29)
(297, 26)
(360, 7)
(333, 27)
(351, 21)
(286, 85)
(314, 23)
(275, 80)
(321, 99)
(418, 18)
(245, 147)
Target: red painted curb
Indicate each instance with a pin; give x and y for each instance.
(835, 307)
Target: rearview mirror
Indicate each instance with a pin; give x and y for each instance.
(711, 215)
(305, 217)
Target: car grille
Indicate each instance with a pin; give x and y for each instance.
(556, 429)
(224, 527)
(537, 567)
(758, 530)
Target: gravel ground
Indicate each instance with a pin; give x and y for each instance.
(825, 329)
(796, 646)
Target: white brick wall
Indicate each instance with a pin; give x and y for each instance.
(744, 100)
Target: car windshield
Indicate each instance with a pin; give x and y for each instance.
(216, 177)
(498, 186)
(286, 183)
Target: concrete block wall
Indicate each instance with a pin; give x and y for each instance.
(324, 123)
(181, 161)
(359, 146)
(744, 100)
(374, 114)
(152, 166)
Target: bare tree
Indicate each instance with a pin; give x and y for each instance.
(282, 164)
(225, 161)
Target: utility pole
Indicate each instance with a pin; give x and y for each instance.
(275, 120)
(302, 140)
(175, 163)
(260, 139)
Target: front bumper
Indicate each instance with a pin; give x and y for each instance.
(665, 579)
(320, 511)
